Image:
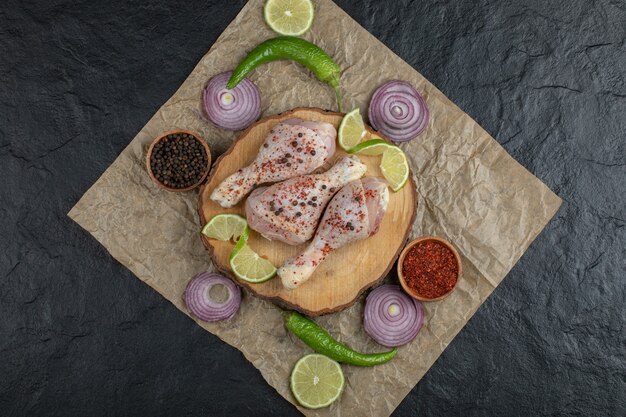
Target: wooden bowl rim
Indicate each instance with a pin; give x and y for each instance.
(162, 136)
(408, 247)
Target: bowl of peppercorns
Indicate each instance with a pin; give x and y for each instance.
(178, 160)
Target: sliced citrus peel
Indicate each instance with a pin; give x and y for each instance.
(372, 147)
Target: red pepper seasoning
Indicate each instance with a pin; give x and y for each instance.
(430, 269)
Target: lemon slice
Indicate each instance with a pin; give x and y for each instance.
(225, 227)
(316, 381)
(372, 147)
(395, 168)
(289, 17)
(247, 264)
(351, 130)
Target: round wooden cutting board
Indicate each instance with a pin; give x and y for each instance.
(346, 273)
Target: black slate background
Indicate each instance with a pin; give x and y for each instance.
(81, 336)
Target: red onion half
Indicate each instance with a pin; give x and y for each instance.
(391, 317)
(200, 303)
(232, 109)
(398, 111)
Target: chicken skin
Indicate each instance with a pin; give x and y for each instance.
(290, 211)
(293, 147)
(353, 214)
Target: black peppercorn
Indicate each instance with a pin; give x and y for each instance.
(178, 160)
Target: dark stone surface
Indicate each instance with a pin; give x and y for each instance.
(81, 336)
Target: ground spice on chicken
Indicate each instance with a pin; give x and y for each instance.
(430, 269)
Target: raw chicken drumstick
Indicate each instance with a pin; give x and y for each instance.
(293, 147)
(353, 214)
(290, 210)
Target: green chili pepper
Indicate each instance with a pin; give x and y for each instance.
(296, 49)
(320, 341)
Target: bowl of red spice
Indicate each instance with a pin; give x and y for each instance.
(178, 160)
(429, 268)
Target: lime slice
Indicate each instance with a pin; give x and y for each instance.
(225, 227)
(372, 147)
(395, 168)
(289, 17)
(316, 381)
(351, 130)
(247, 264)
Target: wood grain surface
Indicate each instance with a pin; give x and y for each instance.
(346, 273)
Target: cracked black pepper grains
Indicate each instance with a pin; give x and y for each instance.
(179, 160)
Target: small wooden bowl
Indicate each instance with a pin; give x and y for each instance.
(173, 132)
(408, 247)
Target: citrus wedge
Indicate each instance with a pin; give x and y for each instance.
(247, 265)
(395, 168)
(225, 227)
(351, 130)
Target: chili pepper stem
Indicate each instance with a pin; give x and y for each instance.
(339, 98)
(334, 83)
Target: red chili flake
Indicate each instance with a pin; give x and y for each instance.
(430, 269)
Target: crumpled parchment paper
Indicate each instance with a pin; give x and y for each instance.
(470, 191)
